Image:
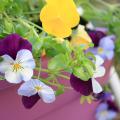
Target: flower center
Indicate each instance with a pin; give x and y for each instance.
(38, 88)
(104, 113)
(16, 67)
(100, 50)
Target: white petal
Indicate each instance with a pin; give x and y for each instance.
(96, 86)
(100, 71)
(26, 73)
(99, 61)
(27, 89)
(6, 63)
(7, 59)
(24, 55)
(28, 64)
(13, 77)
(47, 94)
(4, 66)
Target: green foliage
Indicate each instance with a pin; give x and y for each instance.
(59, 62)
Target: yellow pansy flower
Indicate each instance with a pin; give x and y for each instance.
(81, 37)
(58, 17)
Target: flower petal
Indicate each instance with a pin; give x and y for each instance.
(12, 77)
(47, 94)
(29, 102)
(102, 107)
(111, 115)
(100, 72)
(25, 58)
(27, 89)
(26, 73)
(59, 22)
(84, 87)
(96, 86)
(99, 61)
(11, 44)
(96, 36)
(109, 54)
(6, 63)
(107, 43)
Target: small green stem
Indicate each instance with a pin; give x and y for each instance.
(54, 84)
(35, 25)
(64, 76)
(59, 75)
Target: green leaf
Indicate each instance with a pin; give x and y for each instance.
(59, 91)
(81, 73)
(58, 62)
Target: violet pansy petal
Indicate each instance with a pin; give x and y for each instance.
(11, 44)
(93, 50)
(102, 107)
(47, 94)
(27, 89)
(107, 43)
(84, 87)
(29, 102)
(109, 54)
(111, 115)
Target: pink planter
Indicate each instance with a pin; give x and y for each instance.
(66, 106)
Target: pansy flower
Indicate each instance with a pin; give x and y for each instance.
(80, 37)
(87, 87)
(58, 17)
(105, 48)
(11, 44)
(37, 88)
(104, 112)
(96, 36)
(19, 69)
(18, 62)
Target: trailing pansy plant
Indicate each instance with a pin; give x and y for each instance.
(107, 108)
(22, 60)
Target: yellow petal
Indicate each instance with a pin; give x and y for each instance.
(78, 41)
(57, 28)
(67, 10)
(81, 38)
(48, 12)
(58, 17)
(83, 35)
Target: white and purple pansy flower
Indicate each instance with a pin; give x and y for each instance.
(19, 69)
(106, 112)
(35, 87)
(90, 86)
(18, 62)
(105, 48)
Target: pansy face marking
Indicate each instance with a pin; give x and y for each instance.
(100, 50)
(38, 88)
(35, 86)
(19, 69)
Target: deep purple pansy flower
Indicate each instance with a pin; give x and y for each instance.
(96, 36)
(90, 86)
(105, 48)
(11, 44)
(29, 102)
(84, 87)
